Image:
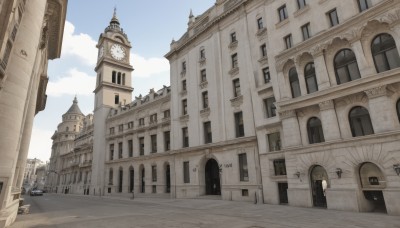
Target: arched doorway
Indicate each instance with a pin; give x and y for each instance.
(372, 183)
(120, 179)
(212, 178)
(167, 179)
(131, 179)
(142, 180)
(319, 183)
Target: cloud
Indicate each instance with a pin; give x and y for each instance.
(79, 45)
(145, 67)
(40, 146)
(74, 83)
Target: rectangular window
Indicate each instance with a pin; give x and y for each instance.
(282, 11)
(141, 122)
(364, 4)
(153, 139)
(207, 132)
(167, 113)
(167, 141)
(154, 173)
(184, 107)
(301, 3)
(236, 88)
(245, 192)
(205, 99)
(141, 146)
(233, 37)
(243, 169)
(270, 107)
(239, 124)
(266, 75)
(203, 75)
(186, 176)
(116, 99)
(183, 85)
(120, 150)
(184, 66)
(202, 54)
(280, 167)
(234, 60)
(130, 125)
(154, 189)
(153, 118)
(260, 24)
(130, 147)
(263, 49)
(274, 141)
(185, 137)
(112, 130)
(120, 127)
(288, 41)
(333, 17)
(111, 152)
(305, 29)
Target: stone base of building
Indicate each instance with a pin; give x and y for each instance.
(9, 214)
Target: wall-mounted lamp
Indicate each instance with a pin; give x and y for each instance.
(297, 174)
(339, 172)
(396, 168)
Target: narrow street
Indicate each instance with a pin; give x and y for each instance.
(69, 211)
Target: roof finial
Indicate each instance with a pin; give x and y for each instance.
(115, 11)
(75, 99)
(191, 14)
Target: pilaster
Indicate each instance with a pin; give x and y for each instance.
(329, 120)
(290, 127)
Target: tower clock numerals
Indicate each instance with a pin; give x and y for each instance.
(117, 52)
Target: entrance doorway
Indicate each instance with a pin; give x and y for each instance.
(213, 184)
(319, 184)
(131, 179)
(283, 196)
(120, 178)
(142, 180)
(167, 179)
(372, 183)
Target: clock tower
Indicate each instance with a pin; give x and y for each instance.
(113, 89)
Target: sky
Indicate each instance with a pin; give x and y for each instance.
(150, 26)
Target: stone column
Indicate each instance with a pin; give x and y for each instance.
(321, 70)
(290, 127)
(381, 109)
(365, 69)
(300, 76)
(329, 121)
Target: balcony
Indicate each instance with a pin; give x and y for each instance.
(86, 163)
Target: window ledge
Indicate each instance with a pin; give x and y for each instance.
(202, 61)
(184, 118)
(261, 32)
(205, 112)
(183, 73)
(263, 60)
(203, 85)
(183, 93)
(234, 71)
(237, 101)
(301, 11)
(233, 45)
(282, 23)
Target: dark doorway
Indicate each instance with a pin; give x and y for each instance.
(213, 185)
(168, 179)
(377, 201)
(131, 179)
(142, 187)
(319, 183)
(373, 181)
(121, 173)
(283, 197)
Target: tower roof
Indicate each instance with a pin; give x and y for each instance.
(114, 19)
(74, 109)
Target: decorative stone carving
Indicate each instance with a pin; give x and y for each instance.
(325, 105)
(237, 101)
(351, 100)
(202, 61)
(287, 114)
(184, 118)
(205, 112)
(183, 73)
(234, 71)
(203, 85)
(233, 45)
(184, 93)
(376, 92)
(263, 60)
(261, 33)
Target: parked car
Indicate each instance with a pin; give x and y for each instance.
(36, 193)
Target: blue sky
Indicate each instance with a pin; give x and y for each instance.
(150, 26)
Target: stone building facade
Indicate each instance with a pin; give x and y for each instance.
(31, 33)
(280, 102)
(30, 175)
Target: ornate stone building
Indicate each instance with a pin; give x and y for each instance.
(31, 33)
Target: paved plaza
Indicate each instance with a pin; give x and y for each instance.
(69, 211)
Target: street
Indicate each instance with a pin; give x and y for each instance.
(66, 211)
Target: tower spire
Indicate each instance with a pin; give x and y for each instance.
(114, 19)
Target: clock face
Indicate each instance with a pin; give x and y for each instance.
(117, 52)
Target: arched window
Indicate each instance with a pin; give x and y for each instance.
(346, 68)
(114, 77)
(398, 109)
(311, 79)
(315, 133)
(294, 83)
(119, 78)
(123, 79)
(110, 177)
(360, 122)
(384, 51)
